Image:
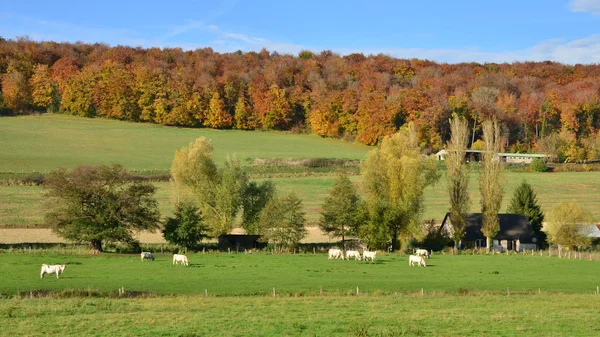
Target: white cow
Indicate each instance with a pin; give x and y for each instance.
(422, 252)
(180, 258)
(147, 255)
(353, 253)
(52, 268)
(335, 253)
(369, 255)
(419, 260)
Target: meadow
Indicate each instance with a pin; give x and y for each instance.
(365, 315)
(240, 274)
(463, 295)
(45, 142)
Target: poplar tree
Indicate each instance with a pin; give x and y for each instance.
(490, 181)
(458, 178)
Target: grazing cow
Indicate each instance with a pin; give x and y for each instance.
(422, 252)
(369, 255)
(419, 260)
(180, 258)
(353, 253)
(52, 268)
(147, 255)
(335, 253)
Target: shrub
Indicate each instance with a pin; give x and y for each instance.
(538, 165)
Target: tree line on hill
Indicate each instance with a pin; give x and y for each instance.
(354, 96)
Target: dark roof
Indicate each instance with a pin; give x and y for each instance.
(512, 227)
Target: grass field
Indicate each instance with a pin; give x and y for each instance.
(44, 143)
(392, 315)
(464, 295)
(22, 206)
(257, 274)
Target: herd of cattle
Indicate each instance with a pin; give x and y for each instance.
(334, 253)
(418, 258)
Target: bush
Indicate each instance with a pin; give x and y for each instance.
(538, 165)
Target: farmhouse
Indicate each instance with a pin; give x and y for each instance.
(515, 232)
(511, 158)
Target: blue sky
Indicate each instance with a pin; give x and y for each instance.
(566, 31)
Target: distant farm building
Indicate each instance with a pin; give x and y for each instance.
(515, 232)
(511, 158)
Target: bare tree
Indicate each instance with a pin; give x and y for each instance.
(490, 180)
(458, 178)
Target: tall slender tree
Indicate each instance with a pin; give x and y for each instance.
(458, 178)
(490, 181)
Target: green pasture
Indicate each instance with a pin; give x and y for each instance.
(23, 205)
(240, 274)
(46, 142)
(389, 315)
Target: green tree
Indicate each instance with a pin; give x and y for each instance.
(97, 204)
(340, 214)
(254, 201)
(394, 178)
(282, 222)
(568, 225)
(458, 178)
(219, 192)
(524, 201)
(490, 181)
(185, 228)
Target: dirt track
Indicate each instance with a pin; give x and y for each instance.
(45, 235)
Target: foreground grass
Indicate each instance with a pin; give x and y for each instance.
(221, 274)
(23, 205)
(44, 143)
(394, 315)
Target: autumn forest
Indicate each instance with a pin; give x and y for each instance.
(541, 105)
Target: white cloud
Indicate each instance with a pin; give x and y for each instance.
(584, 50)
(581, 50)
(585, 6)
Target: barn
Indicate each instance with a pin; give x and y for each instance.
(515, 232)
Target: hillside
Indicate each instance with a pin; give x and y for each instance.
(46, 142)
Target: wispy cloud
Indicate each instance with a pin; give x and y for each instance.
(38, 29)
(571, 51)
(585, 6)
(584, 50)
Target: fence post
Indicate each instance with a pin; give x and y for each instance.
(508, 291)
(228, 251)
(357, 291)
(205, 292)
(321, 291)
(314, 250)
(273, 291)
(422, 292)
